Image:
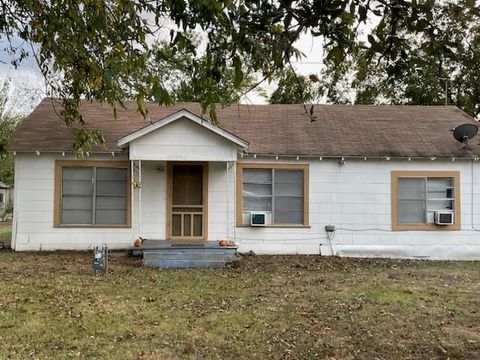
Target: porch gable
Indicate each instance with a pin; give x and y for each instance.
(182, 136)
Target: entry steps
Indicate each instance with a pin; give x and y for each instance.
(175, 254)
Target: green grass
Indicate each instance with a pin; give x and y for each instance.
(51, 306)
(5, 234)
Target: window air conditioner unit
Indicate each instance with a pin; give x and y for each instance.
(444, 217)
(258, 218)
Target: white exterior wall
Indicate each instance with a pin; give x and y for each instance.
(33, 210)
(34, 206)
(356, 199)
(154, 202)
(183, 140)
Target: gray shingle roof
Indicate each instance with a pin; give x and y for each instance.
(341, 130)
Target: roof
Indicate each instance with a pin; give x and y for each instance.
(340, 130)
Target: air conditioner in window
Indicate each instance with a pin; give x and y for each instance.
(444, 217)
(258, 218)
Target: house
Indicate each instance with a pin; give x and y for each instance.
(387, 181)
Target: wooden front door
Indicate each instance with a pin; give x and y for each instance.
(187, 201)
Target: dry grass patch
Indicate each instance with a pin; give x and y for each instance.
(267, 307)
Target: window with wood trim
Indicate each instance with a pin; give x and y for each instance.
(418, 196)
(92, 193)
(281, 191)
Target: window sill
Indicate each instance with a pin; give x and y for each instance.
(276, 226)
(426, 227)
(86, 226)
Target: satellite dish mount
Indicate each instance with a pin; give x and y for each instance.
(464, 133)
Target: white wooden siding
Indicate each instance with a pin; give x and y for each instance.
(33, 212)
(356, 199)
(183, 140)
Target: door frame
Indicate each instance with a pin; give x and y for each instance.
(170, 200)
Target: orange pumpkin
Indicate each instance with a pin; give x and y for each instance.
(138, 243)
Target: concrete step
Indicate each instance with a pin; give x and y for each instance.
(188, 257)
(180, 255)
(182, 264)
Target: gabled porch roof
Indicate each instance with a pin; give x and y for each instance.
(179, 115)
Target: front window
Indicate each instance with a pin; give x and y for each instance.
(92, 195)
(418, 197)
(279, 191)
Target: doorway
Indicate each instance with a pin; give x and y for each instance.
(187, 200)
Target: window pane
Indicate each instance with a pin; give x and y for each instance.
(77, 173)
(257, 189)
(439, 183)
(288, 210)
(440, 188)
(77, 203)
(411, 211)
(257, 203)
(110, 188)
(411, 188)
(76, 216)
(110, 217)
(111, 203)
(288, 183)
(111, 174)
(77, 195)
(111, 200)
(257, 176)
(435, 205)
(288, 196)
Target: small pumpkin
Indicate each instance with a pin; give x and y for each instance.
(222, 243)
(137, 243)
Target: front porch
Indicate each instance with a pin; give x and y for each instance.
(183, 197)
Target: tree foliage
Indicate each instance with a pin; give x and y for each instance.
(102, 50)
(293, 88)
(447, 54)
(9, 119)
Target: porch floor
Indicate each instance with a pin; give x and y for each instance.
(184, 253)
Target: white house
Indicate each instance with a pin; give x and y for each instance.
(389, 179)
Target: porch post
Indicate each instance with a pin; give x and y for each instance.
(140, 198)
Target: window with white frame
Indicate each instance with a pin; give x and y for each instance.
(280, 192)
(92, 195)
(418, 198)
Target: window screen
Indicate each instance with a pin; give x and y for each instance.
(420, 197)
(94, 195)
(278, 191)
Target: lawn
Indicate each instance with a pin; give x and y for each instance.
(5, 233)
(51, 306)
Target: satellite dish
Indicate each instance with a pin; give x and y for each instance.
(465, 132)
